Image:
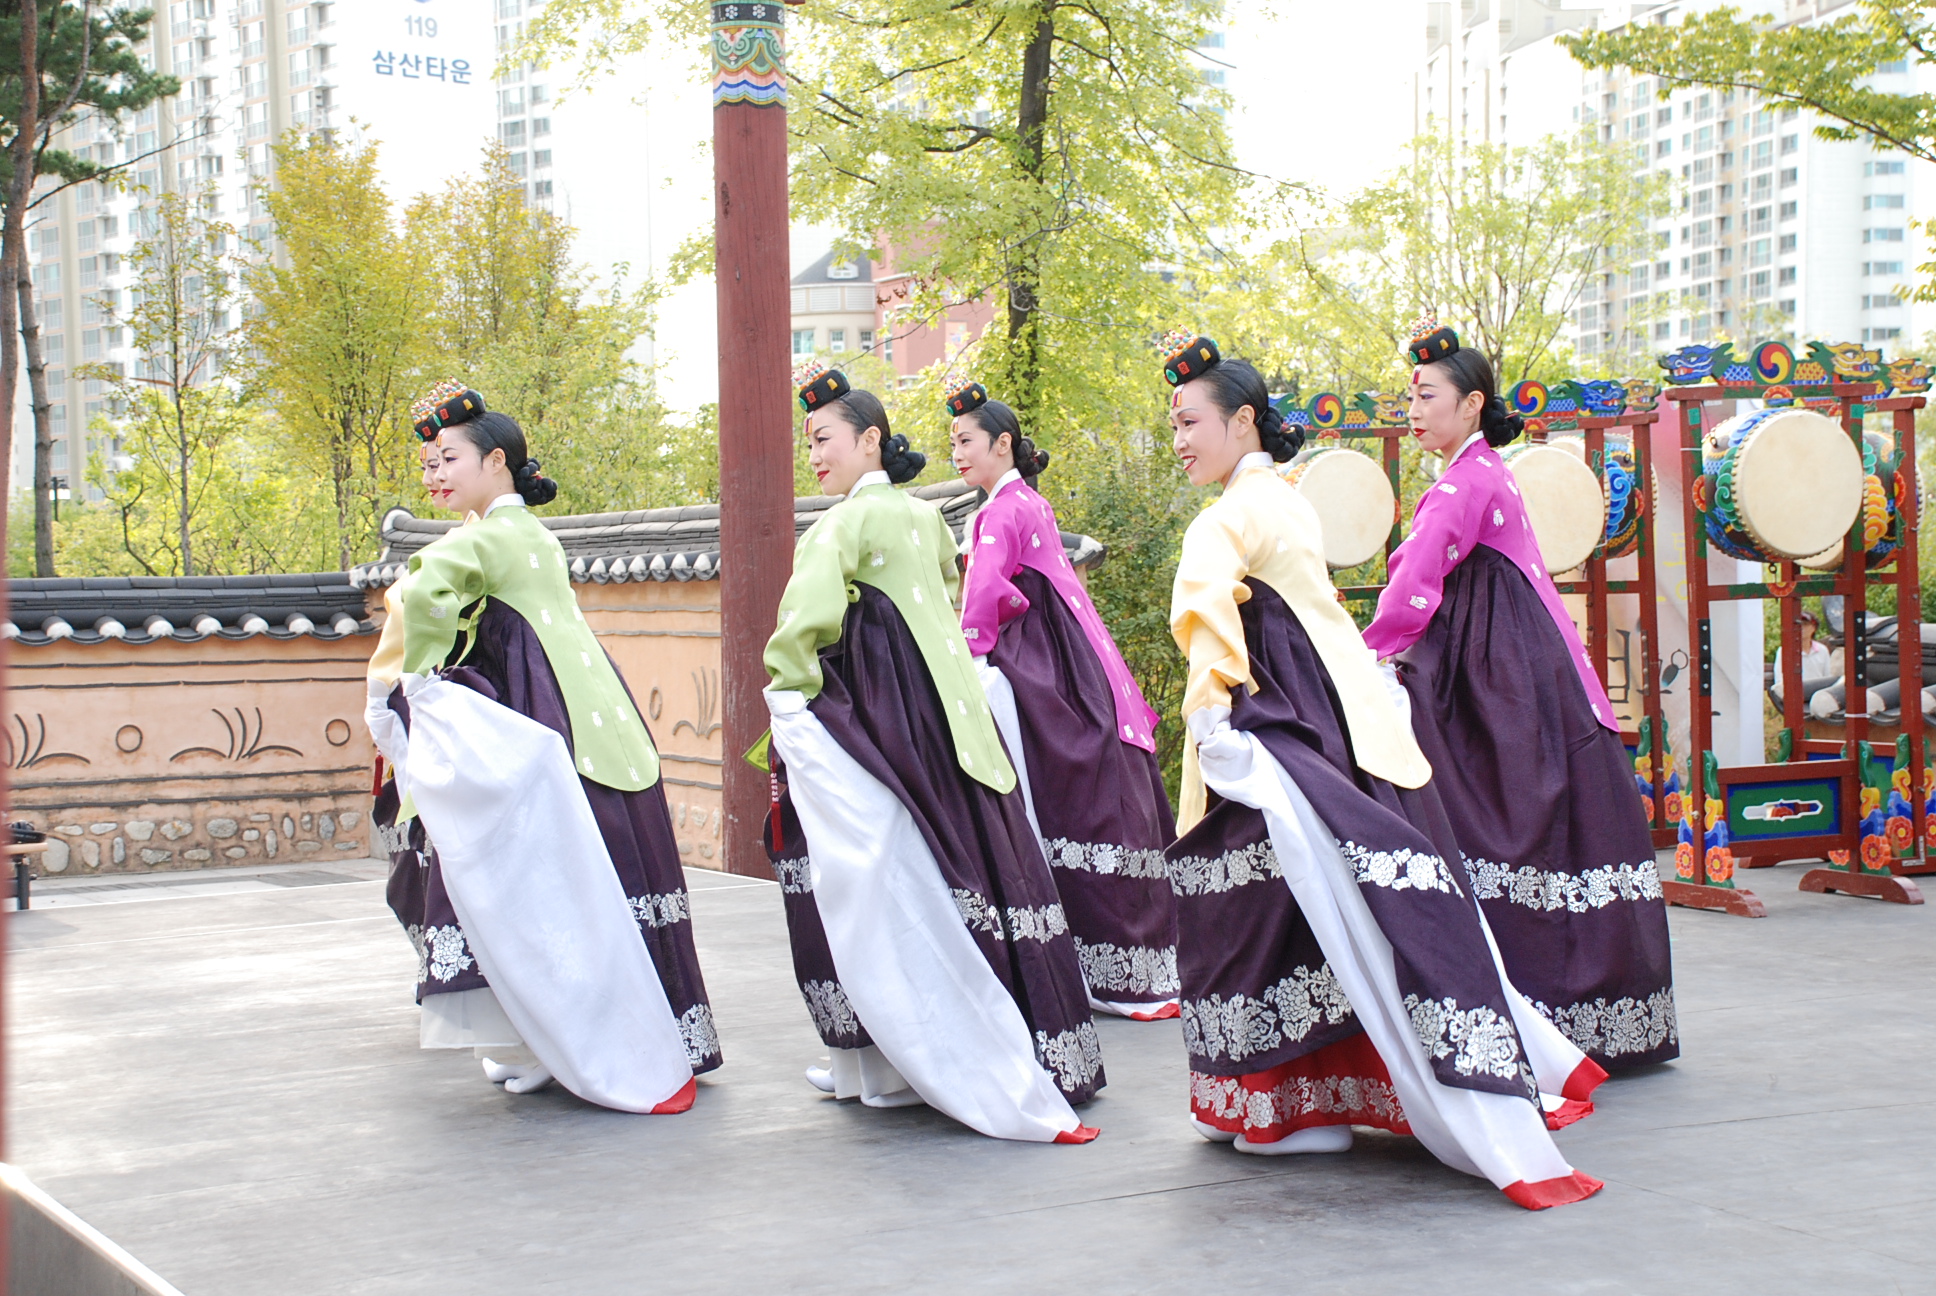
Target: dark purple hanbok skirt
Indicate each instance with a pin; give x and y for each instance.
(509, 666)
(879, 703)
(1541, 799)
(1104, 813)
(1273, 1043)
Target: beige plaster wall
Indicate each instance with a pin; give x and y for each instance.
(142, 758)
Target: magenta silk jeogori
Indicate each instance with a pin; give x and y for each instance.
(1474, 502)
(1017, 529)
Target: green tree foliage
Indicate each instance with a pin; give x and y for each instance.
(83, 61)
(1824, 67)
(546, 342)
(1502, 242)
(337, 344)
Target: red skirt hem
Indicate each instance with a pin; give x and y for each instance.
(1567, 1112)
(679, 1102)
(1547, 1193)
(1341, 1084)
(1080, 1134)
(1586, 1077)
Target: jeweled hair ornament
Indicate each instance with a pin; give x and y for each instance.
(1187, 354)
(816, 385)
(447, 404)
(963, 396)
(1431, 340)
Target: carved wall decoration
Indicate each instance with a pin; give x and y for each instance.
(337, 733)
(31, 750)
(705, 683)
(243, 744)
(127, 739)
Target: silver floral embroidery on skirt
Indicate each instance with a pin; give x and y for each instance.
(975, 911)
(795, 875)
(1073, 1057)
(1241, 1027)
(1403, 869)
(1226, 1098)
(1478, 1040)
(1200, 875)
(1625, 1025)
(1135, 969)
(697, 1030)
(1042, 924)
(830, 1009)
(1108, 860)
(444, 954)
(1537, 888)
(662, 910)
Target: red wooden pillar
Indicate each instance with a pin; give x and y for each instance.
(755, 406)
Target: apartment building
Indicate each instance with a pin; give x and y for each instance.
(833, 307)
(416, 76)
(1771, 233)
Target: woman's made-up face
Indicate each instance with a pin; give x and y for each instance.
(837, 453)
(470, 481)
(980, 459)
(1442, 417)
(431, 459)
(1206, 442)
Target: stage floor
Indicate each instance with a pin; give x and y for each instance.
(226, 1081)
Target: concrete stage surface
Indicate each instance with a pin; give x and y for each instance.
(225, 1079)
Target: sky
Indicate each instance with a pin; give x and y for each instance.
(1323, 93)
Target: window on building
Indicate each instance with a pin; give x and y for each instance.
(1787, 243)
(1882, 234)
(1880, 301)
(1637, 277)
(1882, 267)
(1704, 203)
(540, 158)
(1703, 264)
(1881, 202)
(845, 269)
(512, 133)
(1663, 147)
(1662, 269)
(1893, 67)
(1787, 275)
(867, 339)
(1764, 122)
(53, 348)
(1759, 285)
(1881, 334)
(1789, 176)
(519, 163)
(540, 126)
(803, 342)
(510, 103)
(50, 313)
(1763, 155)
(541, 190)
(836, 340)
(1881, 168)
(1760, 252)
(1790, 144)
(1788, 211)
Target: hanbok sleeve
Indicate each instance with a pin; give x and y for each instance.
(815, 602)
(1444, 530)
(990, 599)
(444, 578)
(1203, 608)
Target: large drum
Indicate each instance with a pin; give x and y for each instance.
(1564, 503)
(1779, 484)
(1624, 495)
(1353, 499)
(1884, 492)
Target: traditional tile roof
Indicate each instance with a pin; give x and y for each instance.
(663, 544)
(183, 609)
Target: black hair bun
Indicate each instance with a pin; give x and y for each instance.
(963, 396)
(1500, 425)
(446, 405)
(1279, 438)
(1029, 461)
(532, 487)
(900, 463)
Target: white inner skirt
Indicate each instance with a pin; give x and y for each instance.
(466, 1019)
(916, 979)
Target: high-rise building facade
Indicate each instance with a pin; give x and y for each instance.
(415, 74)
(1771, 231)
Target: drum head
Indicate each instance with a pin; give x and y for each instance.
(1798, 483)
(1354, 503)
(1564, 503)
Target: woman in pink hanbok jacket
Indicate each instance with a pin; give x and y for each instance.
(1524, 745)
(1078, 728)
